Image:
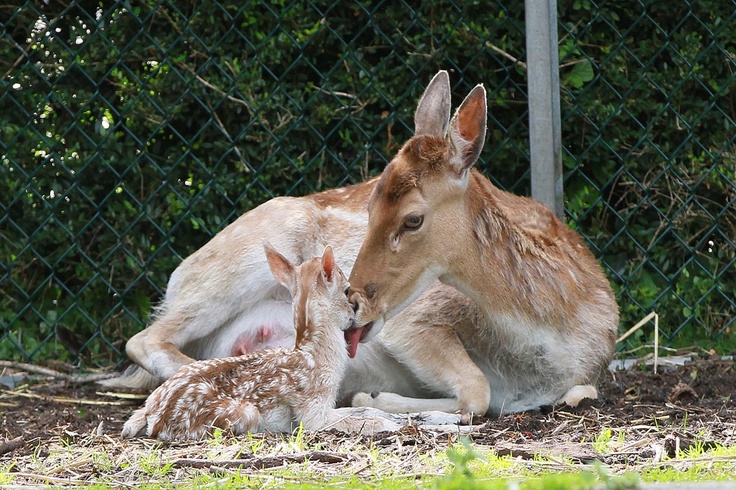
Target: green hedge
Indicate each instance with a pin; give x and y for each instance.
(653, 132)
(133, 132)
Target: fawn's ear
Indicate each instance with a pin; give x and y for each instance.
(468, 131)
(328, 263)
(283, 270)
(433, 111)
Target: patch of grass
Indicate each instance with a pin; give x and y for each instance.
(695, 464)
(605, 442)
(296, 441)
(354, 483)
(153, 464)
(6, 475)
(402, 464)
(472, 468)
(485, 465)
(564, 481)
(582, 480)
(233, 480)
(255, 443)
(460, 476)
(102, 462)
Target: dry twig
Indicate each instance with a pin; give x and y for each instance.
(11, 445)
(64, 399)
(266, 461)
(30, 368)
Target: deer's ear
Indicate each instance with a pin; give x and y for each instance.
(433, 111)
(468, 130)
(328, 263)
(281, 268)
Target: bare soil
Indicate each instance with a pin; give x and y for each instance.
(655, 416)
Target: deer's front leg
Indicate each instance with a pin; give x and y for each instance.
(436, 356)
(154, 349)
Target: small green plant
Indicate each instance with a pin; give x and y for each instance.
(296, 441)
(605, 440)
(600, 444)
(102, 462)
(151, 464)
(461, 477)
(255, 444)
(6, 474)
(217, 437)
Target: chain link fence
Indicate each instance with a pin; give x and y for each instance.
(133, 131)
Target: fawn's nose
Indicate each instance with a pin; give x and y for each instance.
(354, 305)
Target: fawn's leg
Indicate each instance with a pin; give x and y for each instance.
(238, 417)
(136, 424)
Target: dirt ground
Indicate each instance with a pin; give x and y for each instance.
(654, 415)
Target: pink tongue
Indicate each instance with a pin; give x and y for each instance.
(352, 337)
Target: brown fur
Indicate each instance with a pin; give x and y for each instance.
(509, 254)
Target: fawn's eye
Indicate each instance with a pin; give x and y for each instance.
(413, 222)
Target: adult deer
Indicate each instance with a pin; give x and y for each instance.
(442, 352)
(548, 317)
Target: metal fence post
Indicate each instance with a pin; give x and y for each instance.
(544, 103)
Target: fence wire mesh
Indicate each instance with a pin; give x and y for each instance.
(133, 131)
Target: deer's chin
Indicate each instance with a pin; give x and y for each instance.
(371, 329)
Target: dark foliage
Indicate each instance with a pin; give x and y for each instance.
(133, 131)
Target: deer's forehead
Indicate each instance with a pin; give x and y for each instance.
(309, 272)
(420, 157)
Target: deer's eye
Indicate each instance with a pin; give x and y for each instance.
(413, 222)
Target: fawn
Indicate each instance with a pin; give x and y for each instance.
(270, 389)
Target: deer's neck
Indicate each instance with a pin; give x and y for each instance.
(510, 258)
(325, 344)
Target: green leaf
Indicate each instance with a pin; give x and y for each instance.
(582, 72)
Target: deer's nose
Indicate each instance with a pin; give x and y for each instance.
(354, 305)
